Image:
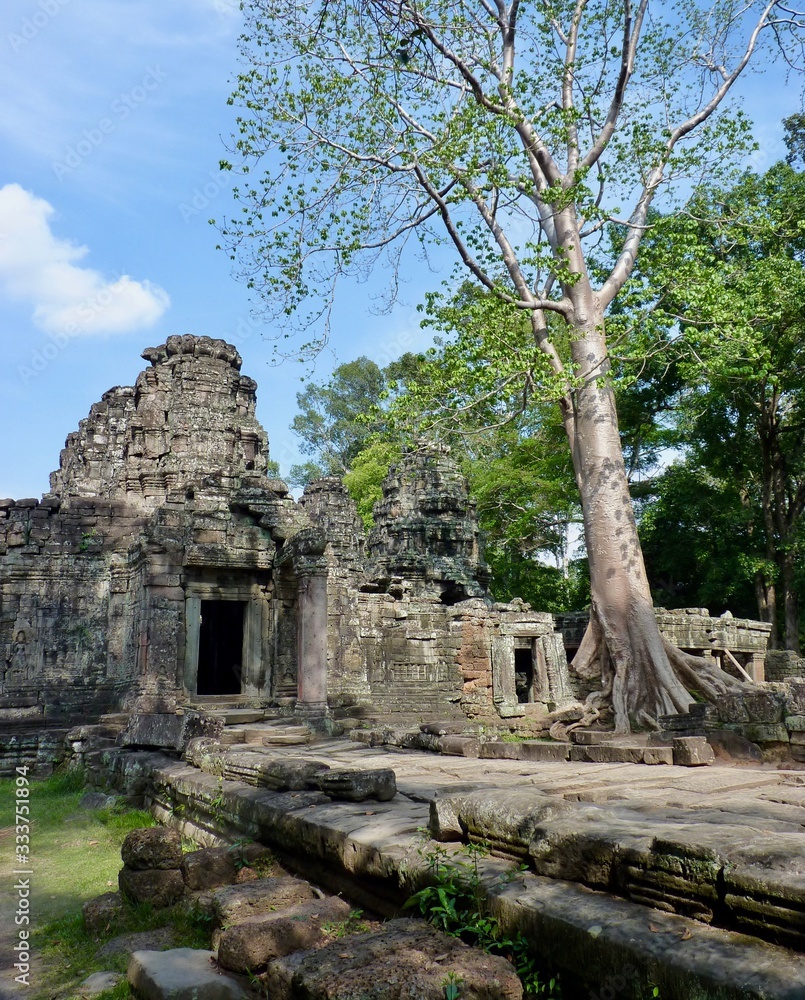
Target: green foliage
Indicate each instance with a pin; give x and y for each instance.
(454, 901)
(354, 924)
(340, 418)
(697, 540)
(365, 478)
(721, 293)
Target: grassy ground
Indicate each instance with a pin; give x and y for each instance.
(75, 855)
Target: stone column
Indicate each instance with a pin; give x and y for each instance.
(312, 641)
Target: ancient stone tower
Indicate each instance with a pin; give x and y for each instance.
(166, 568)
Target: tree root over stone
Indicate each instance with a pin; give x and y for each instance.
(643, 675)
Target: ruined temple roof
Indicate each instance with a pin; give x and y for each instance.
(190, 417)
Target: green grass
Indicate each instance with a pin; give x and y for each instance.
(75, 852)
(68, 952)
(75, 856)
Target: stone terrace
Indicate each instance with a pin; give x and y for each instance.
(695, 877)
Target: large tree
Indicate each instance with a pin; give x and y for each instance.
(726, 284)
(511, 132)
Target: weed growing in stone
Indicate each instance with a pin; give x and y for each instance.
(455, 902)
(354, 924)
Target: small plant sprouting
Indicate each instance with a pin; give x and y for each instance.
(452, 986)
(354, 924)
(455, 901)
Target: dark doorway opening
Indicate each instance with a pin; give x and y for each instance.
(524, 675)
(220, 647)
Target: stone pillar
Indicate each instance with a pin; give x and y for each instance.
(504, 694)
(312, 643)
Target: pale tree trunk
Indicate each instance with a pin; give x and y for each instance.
(643, 675)
(791, 604)
(766, 596)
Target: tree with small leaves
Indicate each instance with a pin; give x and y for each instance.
(511, 133)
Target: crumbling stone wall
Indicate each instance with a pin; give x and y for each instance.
(161, 516)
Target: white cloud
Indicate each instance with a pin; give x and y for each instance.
(38, 267)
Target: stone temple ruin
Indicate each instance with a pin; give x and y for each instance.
(165, 568)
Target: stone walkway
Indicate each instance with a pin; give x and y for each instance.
(678, 872)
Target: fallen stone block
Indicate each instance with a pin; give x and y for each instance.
(209, 868)
(692, 751)
(503, 818)
(206, 754)
(729, 745)
(250, 946)
(152, 847)
(460, 746)
(180, 974)
(157, 886)
(102, 912)
(544, 751)
(355, 786)
(444, 728)
(292, 774)
(160, 939)
(499, 750)
(168, 731)
(608, 753)
(658, 755)
(98, 800)
(239, 903)
(402, 960)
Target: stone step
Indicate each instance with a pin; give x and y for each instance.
(293, 736)
(238, 716)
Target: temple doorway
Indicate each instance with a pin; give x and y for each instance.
(524, 674)
(220, 648)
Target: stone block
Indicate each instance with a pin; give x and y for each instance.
(250, 946)
(539, 751)
(403, 959)
(239, 903)
(102, 912)
(355, 786)
(658, 755)
(209, 868)
(167, 730)
(795, 697)
(98, 982)
(729, 745)
(763, 705)
(156, 886)
(499, 750)
(152, 847)
(795, 723)
(292, 774)
(612, 753)
(460, 746)
(692, 751)
(731, 708)
(757, 732)
(180, 974)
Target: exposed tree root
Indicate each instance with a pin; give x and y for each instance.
(643, 675)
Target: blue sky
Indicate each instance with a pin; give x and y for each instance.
(112, 121)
